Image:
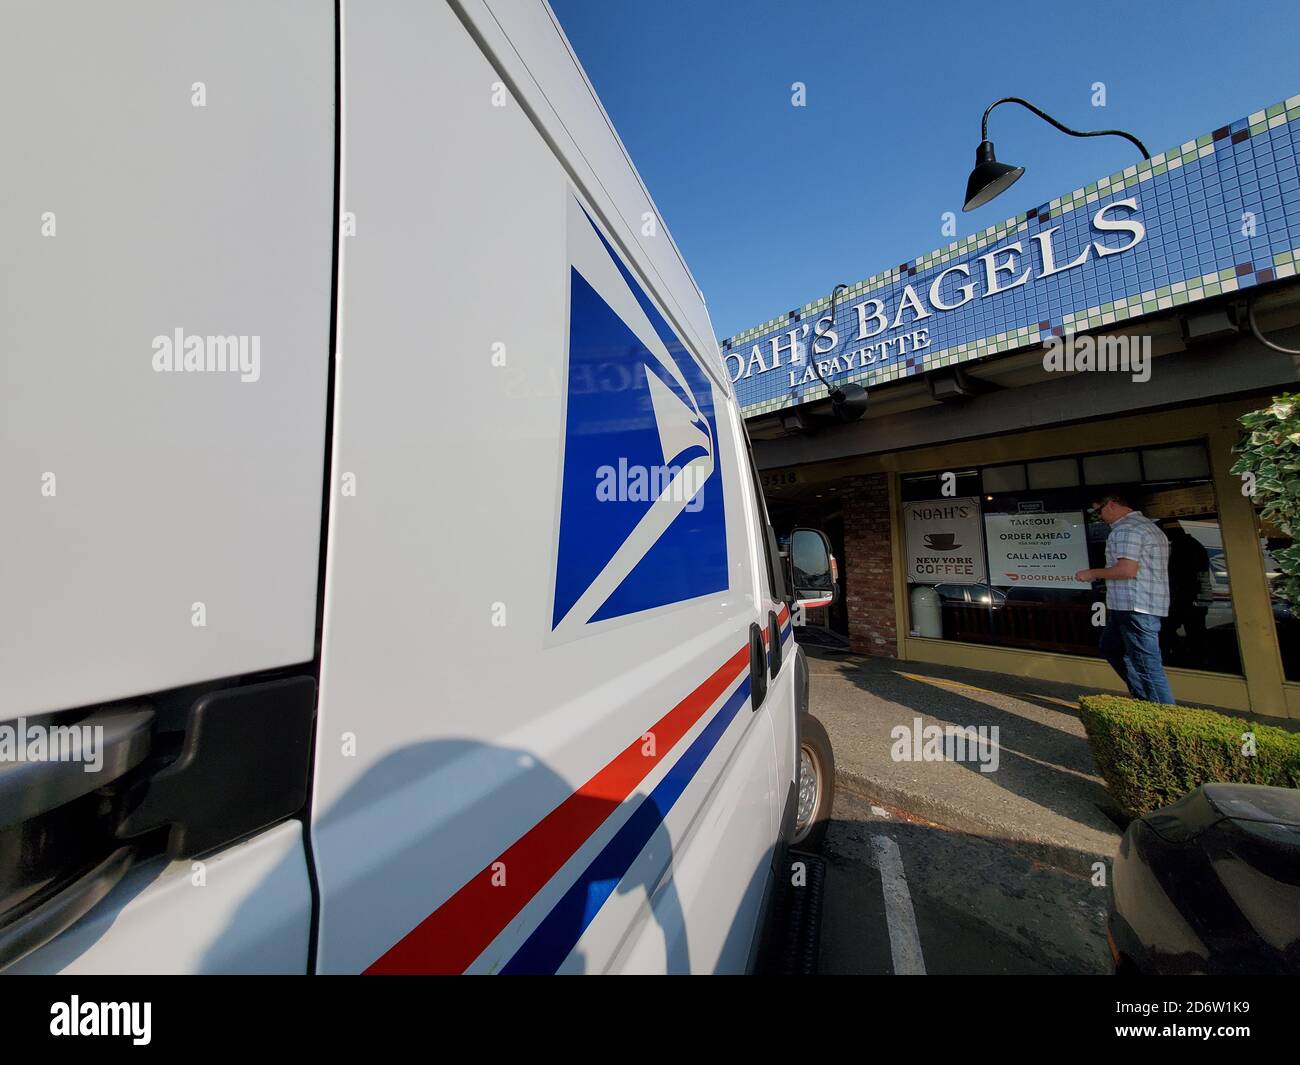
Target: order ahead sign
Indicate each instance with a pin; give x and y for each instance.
(943, 541)
(1036, 550)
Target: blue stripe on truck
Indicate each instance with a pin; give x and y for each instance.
(552, 941)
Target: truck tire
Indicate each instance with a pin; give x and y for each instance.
(816, 787)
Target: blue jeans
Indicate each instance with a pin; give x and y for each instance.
(1131, 644)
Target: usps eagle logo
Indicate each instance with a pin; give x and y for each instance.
(642, 517)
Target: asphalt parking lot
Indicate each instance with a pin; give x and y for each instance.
(948, 865)
(909, 897)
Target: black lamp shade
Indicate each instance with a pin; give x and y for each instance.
(989, 178)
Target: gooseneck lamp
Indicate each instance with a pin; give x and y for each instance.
(848, 402)
(991, 178)
(836, 393)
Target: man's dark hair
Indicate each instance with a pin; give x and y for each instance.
(1107, 495)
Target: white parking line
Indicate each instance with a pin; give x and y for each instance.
(904, 939)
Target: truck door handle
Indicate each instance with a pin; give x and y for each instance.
(757, 667)
(29, 789)
(120, 741)
(774, 634)
(48, 915)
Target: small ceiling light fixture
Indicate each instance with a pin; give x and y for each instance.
(991, 178)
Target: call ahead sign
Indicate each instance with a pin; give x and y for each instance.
(944, 541)
(1037, 550)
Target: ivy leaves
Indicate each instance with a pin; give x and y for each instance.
(1269, 463)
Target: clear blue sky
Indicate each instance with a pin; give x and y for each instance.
(773, 204)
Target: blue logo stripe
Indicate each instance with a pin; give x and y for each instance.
(670, 339)
(560, 930)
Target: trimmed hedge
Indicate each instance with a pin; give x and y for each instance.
(1151, 755)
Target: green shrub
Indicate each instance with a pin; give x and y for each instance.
(1270, 457)
(1152, 755)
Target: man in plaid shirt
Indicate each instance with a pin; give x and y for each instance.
(1137, 597)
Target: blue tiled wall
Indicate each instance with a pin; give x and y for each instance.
(1191, 199)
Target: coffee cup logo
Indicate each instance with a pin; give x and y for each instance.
(941, 541)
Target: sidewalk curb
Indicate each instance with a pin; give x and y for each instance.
(1049, 852)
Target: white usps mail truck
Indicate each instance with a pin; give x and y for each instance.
(385, 585)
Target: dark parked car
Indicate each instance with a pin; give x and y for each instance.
(1210, 885)
(979, 594)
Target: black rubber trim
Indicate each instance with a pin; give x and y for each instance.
(32, 927)
(327, 486)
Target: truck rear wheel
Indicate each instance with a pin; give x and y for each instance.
(816, 785)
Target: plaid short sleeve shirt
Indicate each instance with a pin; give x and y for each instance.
(1137, 537)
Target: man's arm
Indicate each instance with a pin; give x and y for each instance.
(1123, 570)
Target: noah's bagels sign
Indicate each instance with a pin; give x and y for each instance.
(879, 327)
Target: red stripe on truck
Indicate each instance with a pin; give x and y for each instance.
(459, 930)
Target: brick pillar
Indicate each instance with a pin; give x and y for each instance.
(869, 566)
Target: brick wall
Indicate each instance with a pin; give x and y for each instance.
(869, 566)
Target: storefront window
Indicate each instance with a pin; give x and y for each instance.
(992, 553)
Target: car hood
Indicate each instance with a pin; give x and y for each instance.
(1211, 803)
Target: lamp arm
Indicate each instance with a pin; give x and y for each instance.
(984, 125)
(812, 344)
(1254, 328)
